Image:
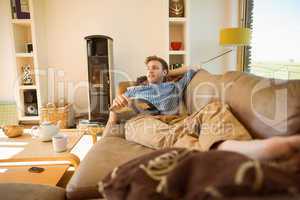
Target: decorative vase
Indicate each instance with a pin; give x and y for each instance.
(176, 8)
(176, 46)
(27, 76)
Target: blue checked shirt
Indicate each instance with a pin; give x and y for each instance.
(165, 96)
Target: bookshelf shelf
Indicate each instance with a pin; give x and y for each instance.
(29, 118)
(24, 55)
(177, 52)
(177, 20)
(28, 87)
(22, 22)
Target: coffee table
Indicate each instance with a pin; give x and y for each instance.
(51, 175)
(27, 149)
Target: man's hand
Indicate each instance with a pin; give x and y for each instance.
(178, 71)
(119, 102)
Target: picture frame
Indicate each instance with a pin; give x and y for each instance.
(22, 9)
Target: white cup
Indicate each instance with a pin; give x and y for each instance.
(60, 142)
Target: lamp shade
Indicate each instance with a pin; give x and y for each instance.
(235, 36)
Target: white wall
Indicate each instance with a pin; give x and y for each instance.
(7, 66)
(207, 17)
(137, 27)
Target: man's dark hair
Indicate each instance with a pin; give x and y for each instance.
(141, 80)
(163, 63)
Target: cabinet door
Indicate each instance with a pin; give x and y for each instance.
(99, 86)
(98, 79)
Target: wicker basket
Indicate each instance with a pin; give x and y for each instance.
(52, 113)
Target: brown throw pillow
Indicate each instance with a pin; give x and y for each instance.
(185, 174)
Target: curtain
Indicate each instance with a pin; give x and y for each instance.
(248, 23)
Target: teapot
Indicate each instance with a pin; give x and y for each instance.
(45, 131)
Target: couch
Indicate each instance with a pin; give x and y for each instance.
(266, 107)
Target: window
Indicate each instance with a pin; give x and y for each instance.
(275, 46)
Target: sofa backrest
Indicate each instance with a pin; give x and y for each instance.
(266, 107)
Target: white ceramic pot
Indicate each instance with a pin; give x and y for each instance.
(45, 131)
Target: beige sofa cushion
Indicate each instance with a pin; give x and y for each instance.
(203, 88)
(102, 158)
(266, 107)
(16, 191)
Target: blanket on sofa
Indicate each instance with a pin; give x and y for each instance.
(201, 130)
(189, 174)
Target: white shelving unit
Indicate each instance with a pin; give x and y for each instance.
(29, 118)
(28, 87)
(180, 52)
(24, 55)
(178, 32)
(30, 31)
(22, 22)
(177, 20)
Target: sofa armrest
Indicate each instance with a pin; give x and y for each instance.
(123, 85)
(114, 130)
(102, 158)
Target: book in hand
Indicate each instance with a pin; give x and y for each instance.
(135, 107)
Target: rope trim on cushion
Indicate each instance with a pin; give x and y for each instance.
(244, 168)
(101, 190)
(161, 166)
(114, 173)
(214, 192)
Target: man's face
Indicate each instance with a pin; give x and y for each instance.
(155, 72)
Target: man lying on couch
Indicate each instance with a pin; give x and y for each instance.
(212, 127)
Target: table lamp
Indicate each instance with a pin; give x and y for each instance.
(232, 37)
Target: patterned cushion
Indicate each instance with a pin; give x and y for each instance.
(184, 174)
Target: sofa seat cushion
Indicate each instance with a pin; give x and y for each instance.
(103, 157)
(24, 191)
